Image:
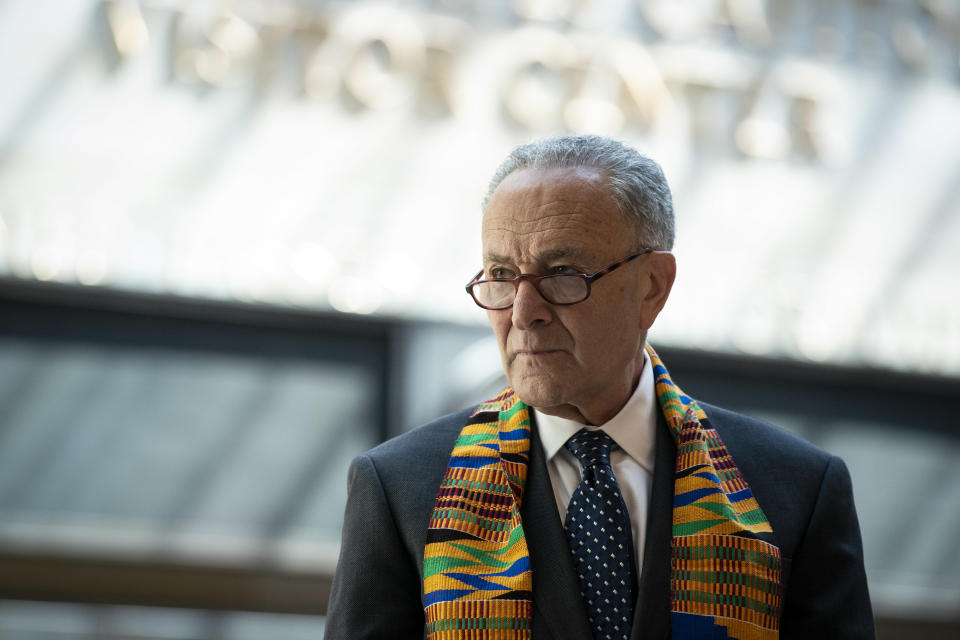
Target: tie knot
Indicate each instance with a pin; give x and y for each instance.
(591, 447)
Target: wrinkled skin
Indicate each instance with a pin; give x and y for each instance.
(582, 361)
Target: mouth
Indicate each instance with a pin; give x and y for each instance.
(535, 352)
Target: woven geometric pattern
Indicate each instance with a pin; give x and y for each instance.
(476, 567)
(725, 582)
(710, 495)
(727, 577)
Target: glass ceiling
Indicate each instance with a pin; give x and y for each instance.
(332, 155)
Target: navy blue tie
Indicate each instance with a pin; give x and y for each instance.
(598, 530)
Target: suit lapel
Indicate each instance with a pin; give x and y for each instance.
(558, 610)
(652, 612)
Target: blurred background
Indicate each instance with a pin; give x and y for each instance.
(234, 238)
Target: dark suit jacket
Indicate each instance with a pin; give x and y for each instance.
(804, 491)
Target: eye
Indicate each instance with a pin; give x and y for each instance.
(562, 269)
(499, 272)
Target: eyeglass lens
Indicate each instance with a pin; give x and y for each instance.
(555, 289)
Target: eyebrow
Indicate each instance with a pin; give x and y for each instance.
(546, 256)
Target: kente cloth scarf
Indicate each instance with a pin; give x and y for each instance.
(477, 581)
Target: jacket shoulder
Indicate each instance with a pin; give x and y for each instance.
(431, 442)
(755, 437)
(785, 473)
(409, 468)
(377, 588)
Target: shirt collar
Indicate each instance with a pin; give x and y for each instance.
(633, 428)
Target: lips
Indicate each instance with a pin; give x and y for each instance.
(535, 352)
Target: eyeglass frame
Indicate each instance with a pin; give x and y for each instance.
(588, 278)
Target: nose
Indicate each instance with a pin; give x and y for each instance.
(529, 308)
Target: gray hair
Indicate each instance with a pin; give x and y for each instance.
(637, 184)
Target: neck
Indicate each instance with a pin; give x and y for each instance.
(595, 414)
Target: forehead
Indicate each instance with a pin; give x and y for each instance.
(537, 211)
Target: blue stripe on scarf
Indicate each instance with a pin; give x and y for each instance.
(743, 494)
(683, 499)
(696, 627)
(473, 462)
(475, 581)
(518, 567)
(444, 595)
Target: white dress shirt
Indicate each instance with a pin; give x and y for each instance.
(634, 429)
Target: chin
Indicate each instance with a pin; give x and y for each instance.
(538, 392)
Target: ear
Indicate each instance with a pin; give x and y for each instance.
(661, 271)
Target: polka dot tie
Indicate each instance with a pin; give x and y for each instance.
(598, 530)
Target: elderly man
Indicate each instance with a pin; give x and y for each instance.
(593, 498)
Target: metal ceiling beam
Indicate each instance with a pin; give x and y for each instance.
(51, 577)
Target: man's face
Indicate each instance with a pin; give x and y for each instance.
(580, 361)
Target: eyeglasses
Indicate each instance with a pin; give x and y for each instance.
(559, 288)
